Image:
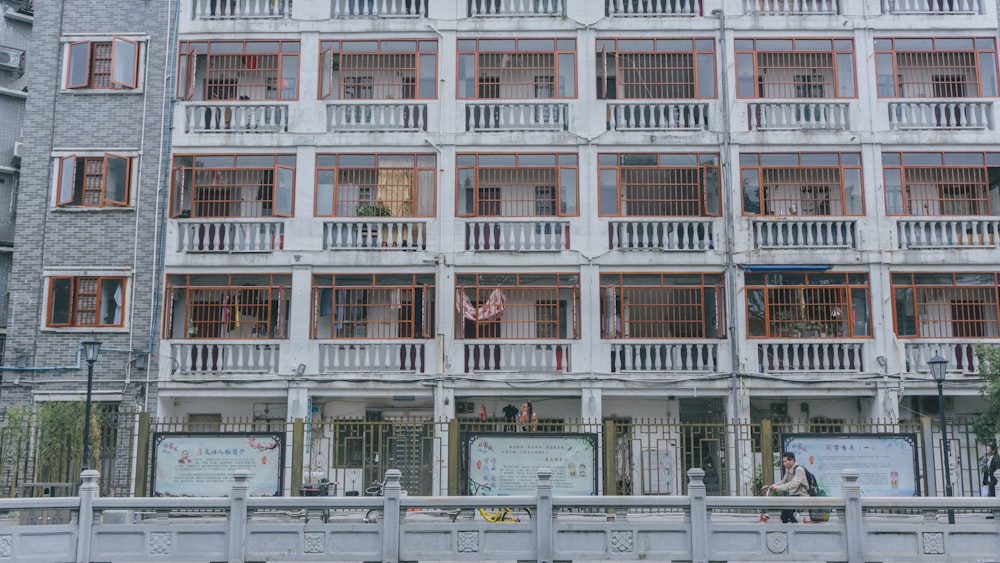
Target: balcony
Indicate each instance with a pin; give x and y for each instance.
(933, 7)
(804, 233)
(378, 9)
(969, 232)
(517, 116)
(377, 234)
(516, 8)
(813, 355)
(376, 117)
(235, 117)
(790, 7)
(674, 234)
(640, 8)
(939, 114)
(645, 356)
(534, 358)
(224, 357)
(517, 236)
(230, 236)
(961, 355)
(369, 356)
(777, 116)
(242, 9)
(658, 116)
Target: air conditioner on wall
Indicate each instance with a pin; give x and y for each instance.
(18, 149)
(11, 59)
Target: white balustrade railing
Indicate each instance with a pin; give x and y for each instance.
(243, 9)
(630, 116)
(229, 236)
(961, 354)
(804, 233)
(782, 7)
(235, 117)
(375, 234)
(664, 234)
(810, 355)
(516, 116)
(368, 356)
(941, 115)
(390, 116)
(506, 8)
(652, 7)
(517, 236)
(378, 8)
(222, 356)
(933, 6)
(645, 356)
(534, 357)
(798, 115)
(931, 232)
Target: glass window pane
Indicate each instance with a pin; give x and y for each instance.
(988, 73)
(567, 76)
(885, 76)
(706, 76)
(567, 191)
(744, 75)
(466, 76)
(845, 75)
(79, 64)
(123, 67)
(852, 191)
(893, 192)
(609, 192)
(751, 193)
(428, 77)
(324, 193)
(62, 298)
(116, 180)
(283, 195)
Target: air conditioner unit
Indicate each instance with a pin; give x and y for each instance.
(11, 59)
(18, 149)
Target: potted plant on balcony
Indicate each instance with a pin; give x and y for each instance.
(370, 210)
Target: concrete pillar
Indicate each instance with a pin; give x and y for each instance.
(853, 516)
(590, 404)
(699, 515)
(390, 516)
(543, 517)
(88, 492)
(238, 515)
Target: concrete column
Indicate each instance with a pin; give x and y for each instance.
(853, 516)
(543, 517)
(390, 516)
(699, 515)
(88, 492)
(590, 407)
(238, 516)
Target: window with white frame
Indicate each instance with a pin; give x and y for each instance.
(111, 63)
(94, 180)
(86, 301)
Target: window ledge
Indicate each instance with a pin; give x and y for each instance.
(93, 92)
(18, 16)
(82, 209)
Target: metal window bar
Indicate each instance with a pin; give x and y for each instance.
(93, 181)
(100, 65)
(946, 191)
(386, 75)
(802, 191)
(372, 312)
(780, 75)
(655, 312)
(956, 312)
(510, 192)
(232, 312)
(655, 75)
(661, 192)
(517, 318)
(937, 74)
(515, 72)
(232, 192)
(803, 311)
(245, 76)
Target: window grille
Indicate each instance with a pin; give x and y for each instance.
(936, 68)
(938, 305)
(378, 185)
(942, 184)
(509, 69)
(517, 306)
(659, 185)
(792, 305)
(240, 186)
(247, 307)
(802, 184)
(517, 185)
(378, 70)
(662, 306)
(795, 68)
(379, 306)
(655, 69)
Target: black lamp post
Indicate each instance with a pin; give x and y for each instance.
(939, 368)
(91, 348)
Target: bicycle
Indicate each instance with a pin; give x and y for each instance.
(502, 514)
(377, 489)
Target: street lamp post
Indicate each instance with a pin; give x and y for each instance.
(91, 348)
(939, 368)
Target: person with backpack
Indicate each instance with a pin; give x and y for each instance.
(793, 483)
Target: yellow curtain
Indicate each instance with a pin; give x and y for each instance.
(395, 191)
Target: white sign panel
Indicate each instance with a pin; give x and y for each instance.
(202, 465)
(508, 464)
(886, 463)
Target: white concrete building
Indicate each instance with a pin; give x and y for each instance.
(703, 210)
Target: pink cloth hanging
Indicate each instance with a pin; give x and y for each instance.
(493, 307)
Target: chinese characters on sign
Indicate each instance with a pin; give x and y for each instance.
(203, 464)
(508, 464)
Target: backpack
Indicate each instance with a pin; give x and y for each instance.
(814, 490)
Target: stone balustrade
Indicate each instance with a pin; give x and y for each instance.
(961, 354)
(804, 233)
(641, 8)
(241, 9)
(665, 234)
(658, 116)
(375, 234)
(516, 8)
(517, 236)
(645, 356)
(516, 116)
(378, 8)
(225, 356)
(932, 6)
(376, 117)
(772, 116)
(229, 236)
(953, 232)
(951, 114)
(235, 117)
(534, 357)
(784, 7)
(371, 356)
(813, 355)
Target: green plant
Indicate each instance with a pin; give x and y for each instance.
(368, 210)
(987, 422)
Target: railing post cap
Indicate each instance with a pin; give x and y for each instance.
(544, 473)
(393, 475)
(241, 475)
(849, 475)
(696, 474)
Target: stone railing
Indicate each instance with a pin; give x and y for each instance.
(375, 234)
(665, 234)
(653, 116)
(941, 115)
(961, 354)
(516, 8)
(646, 356)
(516, 116)
(371, 356)
(932, 6)
(235, 117)
(229, 236)
(652, 7)
(241, 9)
(804, 233)
(533, 357)
(816, 355)
(517, 236)
(378, 8)
(933, 232)
(368, 117)
(691, 527)
(784, 7)
(770, 116)
(225, 356)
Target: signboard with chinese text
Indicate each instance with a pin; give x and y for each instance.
(886, 463)
(202, 464)
(501, 464)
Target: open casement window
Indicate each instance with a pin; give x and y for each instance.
(710, 190)
(103, 65)
(326, 74)
(284, 191)
(101, 181)
(86, 302)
